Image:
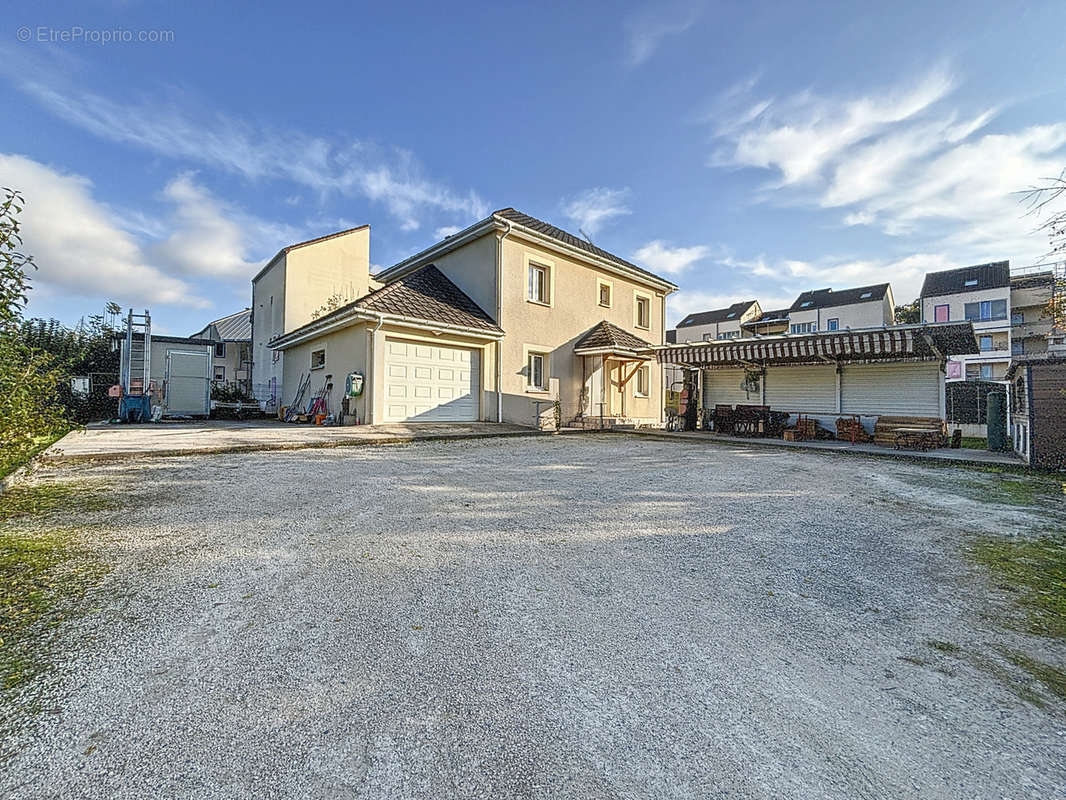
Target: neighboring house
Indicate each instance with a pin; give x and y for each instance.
(826, 310)
(768, 323)
(179, 372)
(722, 323)
(303, 280)
(1038, 409)
(494, 323)
(980, 294)
(232, 336)
(1031, 329)
(896, 371)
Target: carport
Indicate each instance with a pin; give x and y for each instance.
(896, 371)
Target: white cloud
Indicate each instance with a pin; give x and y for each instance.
(647, 29)
(79, 246)
(659, 256)
(446, 231)
(390, 176)
(591, 209)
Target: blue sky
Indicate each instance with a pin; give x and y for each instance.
(743, 150)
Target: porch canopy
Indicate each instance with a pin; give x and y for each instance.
(605, 339)
(929, 342)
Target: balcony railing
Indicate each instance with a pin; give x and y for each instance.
(1027, 330)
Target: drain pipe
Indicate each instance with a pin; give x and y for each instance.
(371, 416)
(499, 310)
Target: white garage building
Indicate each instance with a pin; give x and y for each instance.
(894, 371)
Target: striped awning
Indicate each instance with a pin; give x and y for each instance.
(901, 343)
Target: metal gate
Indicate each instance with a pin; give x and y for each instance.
(188, 387)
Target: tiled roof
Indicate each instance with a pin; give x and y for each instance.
(559, 234)
(605, 336)
(995, 275)
(827, 298)
(734, 312)
(425, 294)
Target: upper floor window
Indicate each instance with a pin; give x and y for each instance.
(729, 335)
(832, 324)
(866, 295)
(805, 304)
(986, 310)
(605, 294)
(1017, 318)
(643, 312)
(1017, 348)
(539, 283)
(970, 282)
(986, 343)
(220, 349)
(942, 313)
(805, 327)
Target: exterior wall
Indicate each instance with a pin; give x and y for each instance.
(318, 271)
(554, 329)
(717, 330)
(345, 353)
(268, 321)
(998, 359)
(472, 268)
(873, 314)
(236, 369)
(1048, 415)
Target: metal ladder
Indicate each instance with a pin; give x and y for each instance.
(137, 355)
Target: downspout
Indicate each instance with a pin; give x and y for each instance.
(371, 416)
(499, 311)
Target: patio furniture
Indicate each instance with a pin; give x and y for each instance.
(724, 419)
(749, 420)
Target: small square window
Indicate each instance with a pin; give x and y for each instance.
(986, 343)
(539, 284)
(535, 378)
(605, 295)
(318, 359)
(220, 349)
(971, 282)
(832, 324)
(640, 389)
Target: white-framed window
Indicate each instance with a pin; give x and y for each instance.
(642, 382)
(539, 283)
(220, 373)
(804, 327)
(708, 337)
(220, 349)
(832, 324)
(536, 372)
(642, 311)
(603, 293)
(318, 359)
(986, 343)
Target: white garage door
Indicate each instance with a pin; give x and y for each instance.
(807, 389)
(911, 389)
(431, 383)
(188, 383)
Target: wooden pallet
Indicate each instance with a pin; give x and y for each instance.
(885, 429)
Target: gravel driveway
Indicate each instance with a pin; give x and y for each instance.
(579, 617)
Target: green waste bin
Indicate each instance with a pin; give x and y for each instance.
(996, 416)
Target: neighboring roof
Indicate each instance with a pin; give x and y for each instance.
(120, 336)
(827, 298)
(234, 328)
(994, 275)
(671, 336)
(777, 315)
(505, 217)
(316, 240)
(1032, 281)
(1033, 360)
(425, 295)
(897, 343)
(733, 312)
(607, 336)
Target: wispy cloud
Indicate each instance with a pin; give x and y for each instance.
(660, 256)
(648, 28)
(173, 128)
(593, 208)
(900, 159)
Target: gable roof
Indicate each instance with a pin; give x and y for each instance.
(607, 336)
(234, 328)
(733, 312)
(316, 240)
(425, 295)
(994, 275)
(827, 298)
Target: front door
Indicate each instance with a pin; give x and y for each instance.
(615, 389)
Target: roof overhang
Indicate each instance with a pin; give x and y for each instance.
(492, 224)
(898, 343)
(615, 352)
(357, 316)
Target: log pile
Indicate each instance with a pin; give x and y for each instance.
(885, 429)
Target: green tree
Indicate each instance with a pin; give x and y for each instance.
(29, 409)
(909, 313)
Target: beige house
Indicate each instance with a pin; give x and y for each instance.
(232, 335)
(980, 294)
(302, 281)
(507, 320)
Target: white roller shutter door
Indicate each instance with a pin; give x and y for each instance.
(911, 389)
(431, 383)
(803, 389)
(722, 386)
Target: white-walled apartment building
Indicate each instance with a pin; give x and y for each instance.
(828, 310)
(722, 323)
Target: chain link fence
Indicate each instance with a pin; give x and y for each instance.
(967, 401)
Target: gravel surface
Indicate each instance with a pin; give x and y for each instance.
(579, 617)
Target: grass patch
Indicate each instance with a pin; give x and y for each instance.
(974, 443)
(1035, 571)
(1017, 489)
(1052, 677)
(45, 498)
(943, 647)
(43, 575)
(9, 462)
